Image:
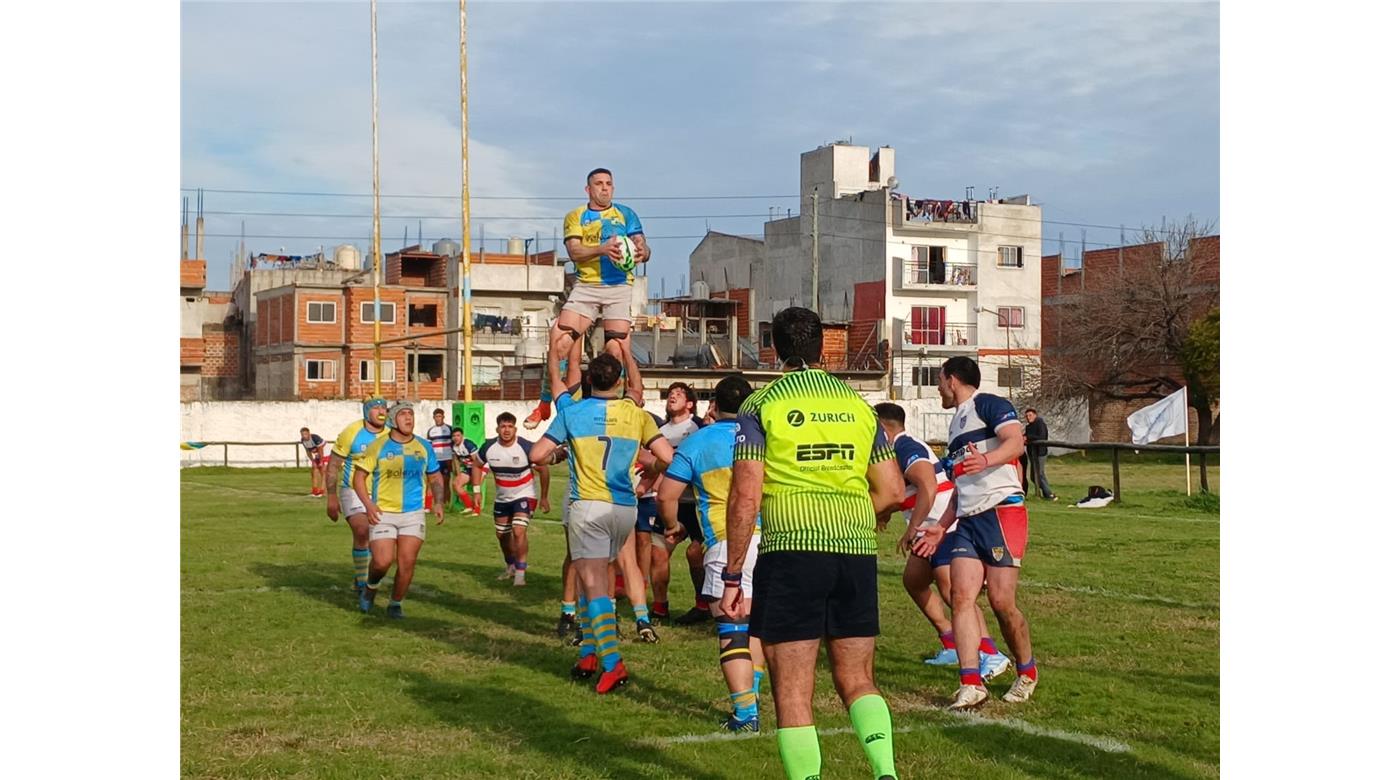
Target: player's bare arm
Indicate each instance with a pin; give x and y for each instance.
(438, 487)
(925, 481)
(886, 485)
(542, 452)
(542, 475)
(1010, 444)
(362, 490)
(643, 253)
(668, 500)
(578, 252)
(742, 511)
(333, 493)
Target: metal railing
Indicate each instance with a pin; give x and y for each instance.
(954, 275)
(227, 444)
(1117, 448)
(950, 334)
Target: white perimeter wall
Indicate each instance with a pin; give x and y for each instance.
(281, 421)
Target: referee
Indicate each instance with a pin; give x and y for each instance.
(812, 449)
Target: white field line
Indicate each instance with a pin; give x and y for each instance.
(300, 499)
(962, 720)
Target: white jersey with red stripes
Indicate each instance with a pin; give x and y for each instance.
(510, 467)
(908, 451)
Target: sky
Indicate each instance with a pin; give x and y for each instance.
(1106, 114)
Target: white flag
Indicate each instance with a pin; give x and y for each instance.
(1165, 418)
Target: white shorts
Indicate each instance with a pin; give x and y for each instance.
(601, 301)
(392, 525)
(598, 529)
(349, 502)
(717, 557)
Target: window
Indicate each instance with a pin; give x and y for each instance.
(387, 312)
(320, 370)
(765, 335)
(320, 311)
(423, 316)
(386, 371)
(926, 325)
(928, 266)
(924, 376)
(1009, 257)
(1011, 316)
(424, 368)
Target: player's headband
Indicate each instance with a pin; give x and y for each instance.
(373, 402)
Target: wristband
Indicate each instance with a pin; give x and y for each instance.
(959, 470)
(731, 580)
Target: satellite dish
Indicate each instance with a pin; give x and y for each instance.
(892, 183)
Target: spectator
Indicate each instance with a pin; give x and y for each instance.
(1036, 431)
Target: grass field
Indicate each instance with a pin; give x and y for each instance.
(282, 675)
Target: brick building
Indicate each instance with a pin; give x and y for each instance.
(210, 342)
(1097, 272)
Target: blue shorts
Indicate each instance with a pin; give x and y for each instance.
(647, 519)
(943, 555)
(516, 508)
(997, 537)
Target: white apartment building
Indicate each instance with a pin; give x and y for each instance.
(918, 279)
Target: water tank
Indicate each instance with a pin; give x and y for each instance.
(347, 257)
(700, 289)
(515, 246)
(446, 247)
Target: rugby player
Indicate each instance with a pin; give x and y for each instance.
(316, 454)
(351, 444)
(440, 436)
(704, 463)
(653, 549)
(463, 473)
(928, 494)
(810, 447)
(593, 236)
(604, 434)
(392, 479)
(989, 540)
(509, 462)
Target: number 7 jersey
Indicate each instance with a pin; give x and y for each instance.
(604, 436)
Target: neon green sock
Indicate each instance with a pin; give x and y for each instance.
(801, 752)
(871, 718)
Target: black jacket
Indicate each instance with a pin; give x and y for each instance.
(1035, 432)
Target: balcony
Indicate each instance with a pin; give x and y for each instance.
(950, 338)
(908, 212)
(941, 277)
(540, 279)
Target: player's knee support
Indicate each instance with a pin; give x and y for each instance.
(614, 335)
(502, 529)
(567, 331)
(520, 522)
(733, 641)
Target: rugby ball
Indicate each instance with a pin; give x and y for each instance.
(628, 261)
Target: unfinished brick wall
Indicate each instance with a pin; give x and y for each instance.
(222, 350)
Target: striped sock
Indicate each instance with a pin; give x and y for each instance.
(745, 704)
(989, 646)
(566, 608)
(600, 610)
(970, 677)
(589, 645)
(1028, 669)
(947, 639)
(520, 566)
(360, 558)
(758, 671)
(640, 612)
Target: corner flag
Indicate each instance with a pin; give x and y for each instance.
(1165, 418)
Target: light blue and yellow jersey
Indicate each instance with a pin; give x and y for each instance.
(594, 228)
(705, 461)
(604, 436)
(398, 472)
(350, 445)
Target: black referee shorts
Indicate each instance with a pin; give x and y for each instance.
(685, 514)
(812, 595)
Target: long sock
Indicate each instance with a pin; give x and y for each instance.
(395, 603)
(745, 704)
(589, 646)
(361, 560)
(605, 631)
(566, 608)
(801, 752)
(970, 677)
(871, 718)
(989, 646)
(947, 639)
(661, 607)
(758, 672)
(639, 611)
(1027, 669)
(464, 497)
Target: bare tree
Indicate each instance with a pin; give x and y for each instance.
(1128, 336)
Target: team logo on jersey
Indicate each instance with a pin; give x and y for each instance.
(515, 459)
(795, 418)
(390, 455)
(825, 451)
(998, 552)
